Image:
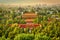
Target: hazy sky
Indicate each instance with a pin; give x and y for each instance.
(30, 1)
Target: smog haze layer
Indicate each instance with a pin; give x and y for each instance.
(29, 2)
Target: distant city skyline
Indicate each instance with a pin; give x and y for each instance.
(29, 2)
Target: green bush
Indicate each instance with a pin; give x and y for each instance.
(3, 38)
(22, 21)
(42, 37)
(24, 37)
(8, 39)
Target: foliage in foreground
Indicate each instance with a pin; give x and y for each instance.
(49, 18)
(14, 32)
